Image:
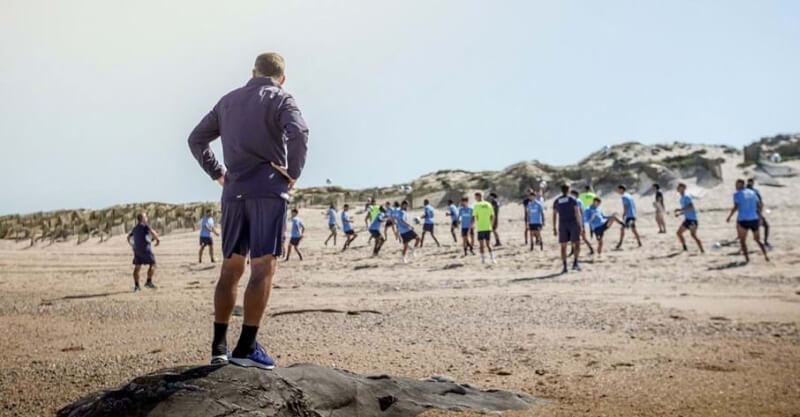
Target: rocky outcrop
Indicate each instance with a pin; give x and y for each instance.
(787, 146)
(304, 390)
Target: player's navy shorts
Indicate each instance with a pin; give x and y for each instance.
(144, 258)
(454, 224)
(376, 234)
(332, 227)
(465, 231)
(569, 232)
(389, 223)
(485, 235)
(350, 232)
(689, 223)
(295, 240)
(749, 224)
(630, 221)
(428, 227)
(408, 236)
(206, 241)
(599, 230)
(535, 226)
(253, 226)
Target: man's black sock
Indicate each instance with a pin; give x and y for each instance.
(219, 346)
(247, 342)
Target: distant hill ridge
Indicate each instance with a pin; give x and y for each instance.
(634, 164)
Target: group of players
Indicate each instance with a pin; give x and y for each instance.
(573, 214)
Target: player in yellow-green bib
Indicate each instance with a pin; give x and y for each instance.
(483, 213)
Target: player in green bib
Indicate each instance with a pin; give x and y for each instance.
(483, 213)
(587, 196)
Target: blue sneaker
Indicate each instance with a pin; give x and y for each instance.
(257, 359)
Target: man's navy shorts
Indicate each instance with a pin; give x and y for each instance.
(600, 230)
(689, 223)
(206, 241)
(427, 227)
(569, 232)
(465, 231)
(253, 226)
(376, 233)
(144, 258)
(408, 236)
(295, 240)
(535, 226)
(485, 235)
(749, 224)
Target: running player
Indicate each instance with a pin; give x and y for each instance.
(496, 208)
(206, 229)
(483, 214)
(629, 216)
(298, 230)
(689, 213)
(567, 226)
(452, 212)
(332, 226)
(347, 227)
(427, 226)
(746, 202)
(751, 184)
(372, 210)
(375, 229)
(390, 224)
(658, 204)
(139, 238)
(582, 209)
(406, 231)
(534, 215)
(599, 222)
(467, 226)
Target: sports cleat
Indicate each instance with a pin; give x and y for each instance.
(136, 288)
(565, 270)
(149, 284)
(576, 267)
(257, 359)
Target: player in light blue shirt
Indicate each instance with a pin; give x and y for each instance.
(298, 230)
(452, 212)
(427, 225)
(407, 233)
(583, 221)
(389, 214)
(467, 229)
(375, 229)
(207, 228)
(534, 213)
(689, 213)
(347, 227)
(751, 184)
(332, 226)
(629, 216)
(749, 206)
(599, 222)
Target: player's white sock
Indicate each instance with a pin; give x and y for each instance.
(413, 251)
(493, 260)
(405, 260)
(483, 258)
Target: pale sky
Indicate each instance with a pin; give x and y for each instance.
(98, 97)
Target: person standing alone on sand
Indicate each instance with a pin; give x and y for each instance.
(628, 216)
(567, 226)
(264, 143)
(139, 238)
(658, 204)
(690, 218)
(534, 213)
(483, 215)
(207, 227)
(746, 202)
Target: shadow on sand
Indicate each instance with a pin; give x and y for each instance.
(539, 278)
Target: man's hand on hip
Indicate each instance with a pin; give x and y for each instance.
(285, 173)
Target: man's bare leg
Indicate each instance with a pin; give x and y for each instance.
(136, 269)
(256, 295)
(742, 232)
(693, 232)
(763, 247)
(225, 301)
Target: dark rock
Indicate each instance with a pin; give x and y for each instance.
(304, 390)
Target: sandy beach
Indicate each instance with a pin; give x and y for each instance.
(642, 331)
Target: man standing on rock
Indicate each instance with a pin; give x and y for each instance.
(264, 143)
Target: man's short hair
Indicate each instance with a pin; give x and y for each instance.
(270, 64)
(465, 198)
(295, 211)
(493, 195)
(478, 193)
(565, 188)
(574, 192)
(657, 186)
(347, 206)
(740, 181)
(404, 203)
(680, 184)
(621, 187)
(140, 217)
(427, 201)
(588, 188)
(598, 199)
(749, 180)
